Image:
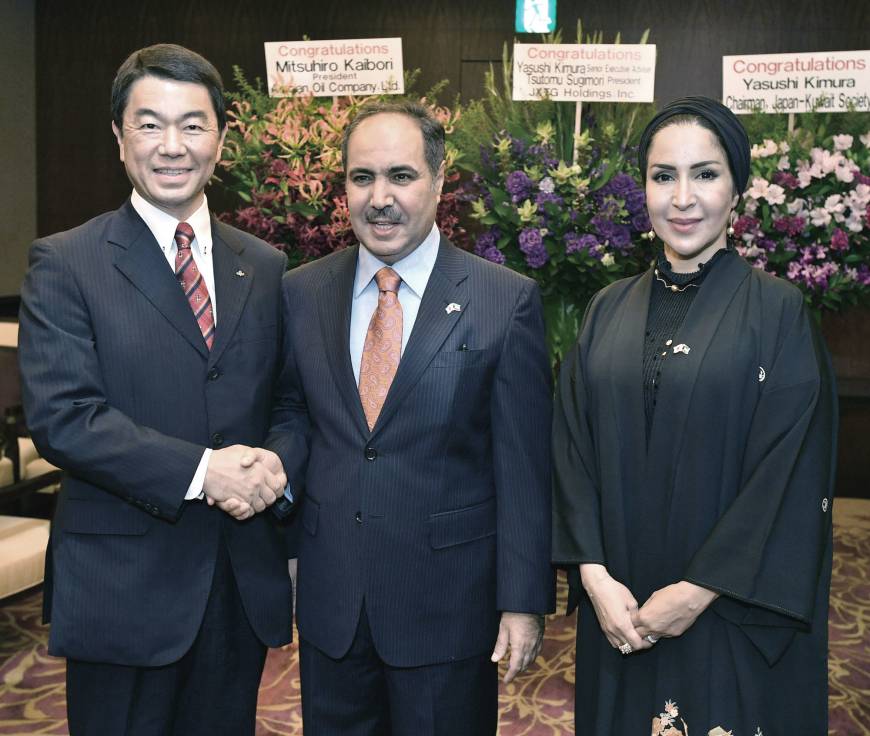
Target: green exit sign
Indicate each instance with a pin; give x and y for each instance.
(536, 16)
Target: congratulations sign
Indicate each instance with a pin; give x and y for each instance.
(584, 72)
(828, 81)
(331, 68)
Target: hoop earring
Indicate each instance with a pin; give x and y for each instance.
(730, 231)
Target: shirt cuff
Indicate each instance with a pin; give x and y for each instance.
(288, 493)
(194, 491)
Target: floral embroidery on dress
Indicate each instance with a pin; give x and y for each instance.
(665, 724)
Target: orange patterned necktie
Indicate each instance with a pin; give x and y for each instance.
(383, 346)
(192, 282)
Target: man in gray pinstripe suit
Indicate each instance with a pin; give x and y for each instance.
(425, 521)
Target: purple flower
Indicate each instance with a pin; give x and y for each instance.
(620, 184)
(574, 242)
(530, 239)
(786, 180)
(796, 225)
(619, 236)
(640, 223)
(486, 241)
(518, 147)
(635, 202)
(543, 198)
(518, 185)
(538, 258)
(744, 224)
(532, 244)
(495, 255)
(839, 240)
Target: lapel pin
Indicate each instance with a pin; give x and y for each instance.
(240, 273)
(452, 307)
(762, 374)
(682, 348)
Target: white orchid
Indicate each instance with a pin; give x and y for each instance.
(796, 206)
(820, 217)
(843, 142)
(768, 148)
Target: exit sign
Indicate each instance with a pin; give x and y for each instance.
(536, 16)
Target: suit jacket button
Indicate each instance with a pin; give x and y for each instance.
(217, 439)
(371, 453)
(213, 374)
(358, 517)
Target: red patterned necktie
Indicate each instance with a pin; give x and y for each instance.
(383, 346)
(192, 282)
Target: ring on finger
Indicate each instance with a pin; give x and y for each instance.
(625, 648)
(651, 639)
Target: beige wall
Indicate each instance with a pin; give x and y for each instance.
(17, 140)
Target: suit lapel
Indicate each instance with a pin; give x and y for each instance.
(233, 279)
(141, 260)
(447, 284)
(334, 301)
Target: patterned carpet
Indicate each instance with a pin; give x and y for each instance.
(539, 703)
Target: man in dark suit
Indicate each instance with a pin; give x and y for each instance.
(425, 524)
(148, 348)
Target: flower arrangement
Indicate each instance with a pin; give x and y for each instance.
(282, 158)
(805, 215)
(561, 224)
(565, 210)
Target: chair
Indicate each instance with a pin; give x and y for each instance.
(23, 540)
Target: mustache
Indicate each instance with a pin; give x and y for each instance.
(385, 214)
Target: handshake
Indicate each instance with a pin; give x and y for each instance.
(243, 480)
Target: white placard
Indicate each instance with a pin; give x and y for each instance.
(354, 67)
(826, 81)
(604, 72)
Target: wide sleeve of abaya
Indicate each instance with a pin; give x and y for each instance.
(577, 534)
(767, 551)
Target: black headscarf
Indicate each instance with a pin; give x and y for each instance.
(728, 129)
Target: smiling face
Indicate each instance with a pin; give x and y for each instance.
(689, 193)
(391, 194)
(170, 143)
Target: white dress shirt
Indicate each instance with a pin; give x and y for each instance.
(162, 227)
(414, 270)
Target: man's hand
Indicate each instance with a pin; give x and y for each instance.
(671, 610)
(524, 634)
(243, 480)
(615, 607)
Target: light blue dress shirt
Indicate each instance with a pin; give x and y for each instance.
(414, 270)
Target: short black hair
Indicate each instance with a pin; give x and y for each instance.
(167, 61)
(430, 127)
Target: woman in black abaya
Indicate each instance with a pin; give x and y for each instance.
(694, 440)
